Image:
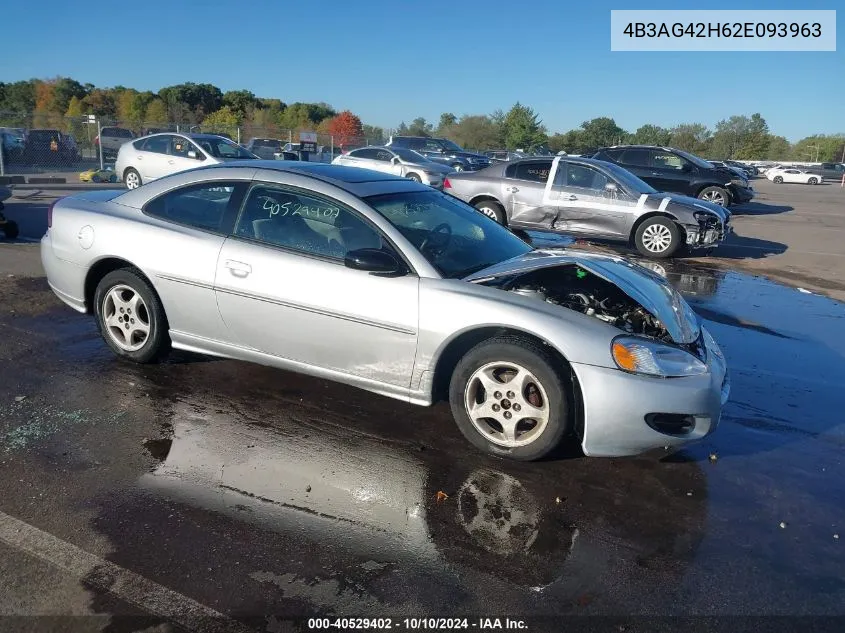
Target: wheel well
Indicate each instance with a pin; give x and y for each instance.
(125, 171)
(100, 270)
(703, 187)
(654, 214)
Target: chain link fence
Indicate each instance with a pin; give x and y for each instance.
(34, 144)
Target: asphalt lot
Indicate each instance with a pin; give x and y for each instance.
(216, 493)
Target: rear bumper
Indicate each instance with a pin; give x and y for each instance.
(66, 280)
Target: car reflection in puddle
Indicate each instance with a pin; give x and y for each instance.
(387, 503)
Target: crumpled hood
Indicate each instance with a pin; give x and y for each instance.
(644, 286)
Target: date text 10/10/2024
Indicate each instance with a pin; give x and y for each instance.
(413, 624)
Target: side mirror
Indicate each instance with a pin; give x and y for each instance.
(192, 154)
(394, 160)
(374, 260)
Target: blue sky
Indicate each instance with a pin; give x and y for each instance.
(389, 61)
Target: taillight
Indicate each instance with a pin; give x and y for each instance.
(447, 184)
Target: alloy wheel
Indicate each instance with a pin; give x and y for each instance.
(715, 196)
(657, 238)
(126, 318)
(506, 404)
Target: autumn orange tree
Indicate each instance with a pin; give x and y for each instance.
(346, 128)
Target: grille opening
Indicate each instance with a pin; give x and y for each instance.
(671, 423)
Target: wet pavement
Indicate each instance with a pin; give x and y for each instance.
(255, 491)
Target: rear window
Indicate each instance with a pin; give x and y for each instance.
(639, 157)
(535, 171)
(117, 131)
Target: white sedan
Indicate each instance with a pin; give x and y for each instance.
(782, 175)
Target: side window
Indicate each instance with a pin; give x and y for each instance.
(180, 147)
(636, 157)
(156, 144)
(533, 171)
(200, 206)
(365, 153)
(303, 222)
(383, 155)
(583, 177)
(433, 146)
(666, 160)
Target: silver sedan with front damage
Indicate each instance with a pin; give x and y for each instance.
(591, 198)
(383, 283)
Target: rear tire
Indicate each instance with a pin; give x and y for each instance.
(491, 209)
(658, 237)
(495, 420)
(777, 180)
(11, 229)
(413, 177)
(130, 317)
(132, 178)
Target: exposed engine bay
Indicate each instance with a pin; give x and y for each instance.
(578, 289)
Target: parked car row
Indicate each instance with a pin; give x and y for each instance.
(40, 146)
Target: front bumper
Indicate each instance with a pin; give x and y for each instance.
(616, 404)
(707, 235)
(740, 195)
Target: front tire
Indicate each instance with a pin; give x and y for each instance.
(457, 167)
(491, 209)
(658, 237)
(132, 178)
(130, 317)
(509, 398)
(813, 181)
(715, 194)
(777, 180)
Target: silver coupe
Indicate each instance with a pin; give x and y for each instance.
(383, 283)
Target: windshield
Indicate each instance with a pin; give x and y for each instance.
(455, 238)
(695, 160)
(220, 147)
(447, 144)
(629, 181)
(410, 155)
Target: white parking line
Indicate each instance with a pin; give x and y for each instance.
(126, 585)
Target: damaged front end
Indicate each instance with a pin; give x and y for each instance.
(620, 293)
(708, 232)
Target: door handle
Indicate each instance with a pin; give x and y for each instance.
(513, 189)
(171, 162)
(238, 269)
(571, 196)
(655, 173)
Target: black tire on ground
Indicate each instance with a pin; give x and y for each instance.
(813, 181)
(658, 237)
(540, 362)
(777, 180)
(491, 209)
(157, 343)
(132, 173)
(11, 229)
(414, 177)
(719, 195)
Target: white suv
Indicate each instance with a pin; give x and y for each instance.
(158, 155)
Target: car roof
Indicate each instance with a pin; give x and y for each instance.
(359, 182)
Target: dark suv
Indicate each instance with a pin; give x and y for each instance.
(442, 150)
(669, 169)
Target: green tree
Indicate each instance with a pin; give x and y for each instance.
(447, 119)
(651, 135)
(819, 147)
(100, 102)
(691, 137)
(241, 102)
(64, 90)
(19, 97)
(522, 128)
(155, 113)
(130, 108)
(373, 134)
(74, 108)
(222, 120)
(778, 148)
(600, 132)
(420, 127)
(473, 131)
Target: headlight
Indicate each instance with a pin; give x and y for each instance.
(642, 356)
(739, 182)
